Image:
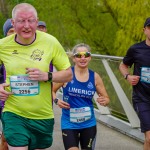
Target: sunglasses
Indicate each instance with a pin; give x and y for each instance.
(80, 54)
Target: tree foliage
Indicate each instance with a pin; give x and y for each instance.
(130, 17)
(108, 26)
(78, 21)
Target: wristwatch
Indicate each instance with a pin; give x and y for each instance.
(126, 76)
(56, 100)
(50, 76)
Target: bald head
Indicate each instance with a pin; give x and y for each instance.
(23, 7)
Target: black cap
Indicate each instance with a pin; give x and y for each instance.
(147, 22)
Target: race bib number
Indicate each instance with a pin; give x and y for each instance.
(79, 115)
(22, 86)
(145, 74)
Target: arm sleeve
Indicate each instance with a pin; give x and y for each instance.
(60, 59)
(129, 57)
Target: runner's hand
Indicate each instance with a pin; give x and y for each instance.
(3, 93)
(102, 100)
(36, 74)
(133, 79)
(63, 104)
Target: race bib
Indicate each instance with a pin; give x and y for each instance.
(145, 74)
(22, 86)
(79, 115)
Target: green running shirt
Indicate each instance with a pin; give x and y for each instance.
(16, 58)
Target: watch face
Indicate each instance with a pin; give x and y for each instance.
(49, 76)
(56, 101)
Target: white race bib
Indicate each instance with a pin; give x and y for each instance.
(79, 115)
(22, 86)
(145, 74)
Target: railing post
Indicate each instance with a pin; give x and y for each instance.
(132, 116)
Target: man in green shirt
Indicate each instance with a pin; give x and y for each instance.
(26, 55)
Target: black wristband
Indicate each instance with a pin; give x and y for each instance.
(56, 100)
(50, 76)
(126, 76)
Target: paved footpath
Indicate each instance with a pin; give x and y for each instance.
(107, 139)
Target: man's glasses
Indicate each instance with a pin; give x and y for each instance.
(22, 21)
(80, 54)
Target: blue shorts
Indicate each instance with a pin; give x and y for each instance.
(19, 131)
(143, 112)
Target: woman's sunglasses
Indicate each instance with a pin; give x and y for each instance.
(80, 54)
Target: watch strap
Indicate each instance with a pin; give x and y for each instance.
(126, 76)
(50, 76)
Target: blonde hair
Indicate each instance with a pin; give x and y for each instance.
(74, 50)
(23, 7)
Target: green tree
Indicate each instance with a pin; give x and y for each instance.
(108, 26)
(77, 21)
(129, 17)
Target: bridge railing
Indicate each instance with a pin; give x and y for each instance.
(122, 97)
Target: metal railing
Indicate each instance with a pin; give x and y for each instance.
(125, 102)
